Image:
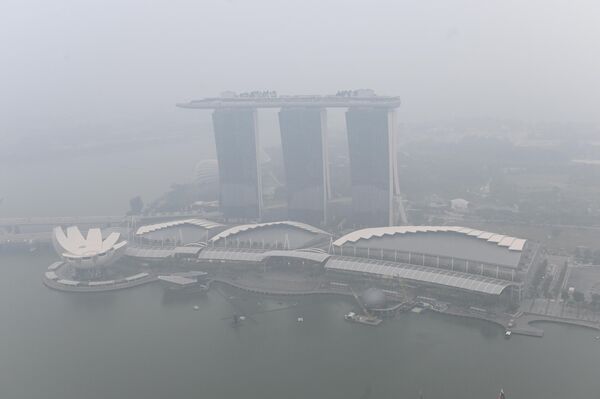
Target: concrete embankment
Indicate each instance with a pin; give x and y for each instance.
(104, 288)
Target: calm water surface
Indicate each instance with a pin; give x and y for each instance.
(138, 344)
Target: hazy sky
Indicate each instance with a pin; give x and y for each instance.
(122, 63)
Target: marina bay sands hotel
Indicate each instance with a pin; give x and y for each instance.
(371, 126)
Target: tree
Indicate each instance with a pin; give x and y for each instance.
(546, 285)
(596, 300)
(596, 257)
(578, 296)
(136, 205)
(539, 274)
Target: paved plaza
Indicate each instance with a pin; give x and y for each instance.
(559, 309)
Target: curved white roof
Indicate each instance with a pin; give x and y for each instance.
(512, 243)
(245, 227)
(205, 224)
(74, 247)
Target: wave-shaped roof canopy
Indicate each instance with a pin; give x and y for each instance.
(203, 223)
(246, 227)
(511, 243)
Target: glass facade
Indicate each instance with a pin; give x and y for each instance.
(303, 138)
(240, 193)
(372, 165)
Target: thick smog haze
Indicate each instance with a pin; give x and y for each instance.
(72, 65)
(299, 199)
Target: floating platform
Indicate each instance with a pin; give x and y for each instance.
(183, 283)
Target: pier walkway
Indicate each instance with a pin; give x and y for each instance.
(279, 289)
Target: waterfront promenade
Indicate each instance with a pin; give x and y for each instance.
(284, 283)
(117, 285)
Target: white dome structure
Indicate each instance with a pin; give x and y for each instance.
(207, 171)
(90, 251)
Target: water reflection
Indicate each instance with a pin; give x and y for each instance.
(140, 343)
(89, 302)
(488, 330)
(172, 298)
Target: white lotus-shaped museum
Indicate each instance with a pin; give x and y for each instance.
(90, 251)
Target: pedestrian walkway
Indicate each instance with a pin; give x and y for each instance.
(560, 309)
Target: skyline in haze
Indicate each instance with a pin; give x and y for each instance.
(120, 65)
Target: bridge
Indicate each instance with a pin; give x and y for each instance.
(61, 220)
(38, 229)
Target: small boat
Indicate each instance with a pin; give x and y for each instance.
(350, 316)
(196, 307)
(501, 394)
(368, 320)
(507, 334)
(300, 319)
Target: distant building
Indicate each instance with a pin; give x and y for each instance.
(206, 172)
(371, 124)
(373, 166)
(459, 205)
(236, 138)
(303, 140)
